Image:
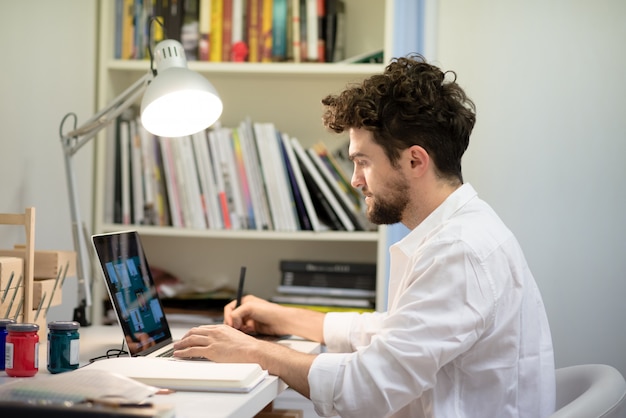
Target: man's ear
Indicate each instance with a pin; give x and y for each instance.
(419, 160)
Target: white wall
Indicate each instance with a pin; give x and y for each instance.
(548, 149)
(47, 70)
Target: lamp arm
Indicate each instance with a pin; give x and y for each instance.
(72, 142)
(75, 139)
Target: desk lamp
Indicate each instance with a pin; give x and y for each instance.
(176, 102)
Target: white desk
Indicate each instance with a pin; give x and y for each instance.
(96, 340)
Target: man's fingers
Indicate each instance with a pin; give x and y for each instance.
(189, 352)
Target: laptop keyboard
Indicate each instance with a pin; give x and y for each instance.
(167, 353)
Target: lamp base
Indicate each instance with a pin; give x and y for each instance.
(80, 314)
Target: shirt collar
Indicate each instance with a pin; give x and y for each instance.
(457, 199)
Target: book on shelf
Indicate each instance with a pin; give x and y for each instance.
(124, 148)
(256, 182)
(303, 31)
(328, 202)
(207, 180)
(306, 209)
(178, 181)
(220, 182)
(136, 174)
(216, 35)
(266, 23)
(341, 173)
(227, 30)
(370, 57)
(312, 30)
(239, 48)
(169, 175)
(350, 208)
(321, 31)
(326, 308)
(190, 28)
(280, 22)
(234, 30)
(174, 14)
(117, 36)
(162, 206)
(326, 291)
(111, 175)
(249, 221)
(232, 185)
(191, 185)
(365, 303)
(127, 38)
(148, 176)
(303, 222)
(334, 43)
(332, 267)
(320, 278)
(294, 47)
(204, 29)
(274, 174)
(253, 13)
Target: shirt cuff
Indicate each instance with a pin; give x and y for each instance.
(322, 379)
(337, 326)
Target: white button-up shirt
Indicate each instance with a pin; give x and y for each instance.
(465, 334)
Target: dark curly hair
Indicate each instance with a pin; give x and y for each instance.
(411, 103)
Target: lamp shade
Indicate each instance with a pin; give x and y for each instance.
(178, 101)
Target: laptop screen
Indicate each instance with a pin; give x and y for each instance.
(132, 291)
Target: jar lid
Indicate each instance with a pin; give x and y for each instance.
(22, 327)
(6, 321)
(63, 325)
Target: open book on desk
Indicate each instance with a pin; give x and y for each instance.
(186, 375)
(80, 393)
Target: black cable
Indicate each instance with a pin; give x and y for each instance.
(110, 353)
(157, 20)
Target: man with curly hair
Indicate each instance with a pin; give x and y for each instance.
(465, 333)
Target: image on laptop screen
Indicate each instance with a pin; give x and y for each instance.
(132, 291)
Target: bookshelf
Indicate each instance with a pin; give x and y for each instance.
(287, 94)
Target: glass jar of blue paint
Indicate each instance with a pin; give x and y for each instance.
(63, 346)
(3, 338)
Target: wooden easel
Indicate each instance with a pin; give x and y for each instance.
(26, 219)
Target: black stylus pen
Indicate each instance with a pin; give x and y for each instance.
(242, 279)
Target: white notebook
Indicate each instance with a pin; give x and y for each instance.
(188, 375)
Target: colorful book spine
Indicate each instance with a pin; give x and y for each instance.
(242, 176)
(222, 198)
(128, 30)
(311, 30)
(321, 31)
(296, 46)
(217, 31)
(204, 28)
(238, 40)
(254, 36)
(266, 40)
(325, 194)
(227, 31)
(279, 30)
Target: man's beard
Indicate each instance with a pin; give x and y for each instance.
(388, 209)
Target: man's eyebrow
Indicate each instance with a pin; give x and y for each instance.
(356, 155)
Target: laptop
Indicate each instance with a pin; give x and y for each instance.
(133, 294)
(147, 334)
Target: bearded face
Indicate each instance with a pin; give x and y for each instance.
(386, 205)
